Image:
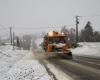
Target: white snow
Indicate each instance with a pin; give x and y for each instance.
(88, 49)
(19, 65)
(27, 70)
(59, 45)
(8, 57)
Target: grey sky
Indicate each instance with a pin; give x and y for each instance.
(33, 15)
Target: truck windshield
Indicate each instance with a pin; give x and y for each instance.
(56, 40)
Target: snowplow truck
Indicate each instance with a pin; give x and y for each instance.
(57, 43)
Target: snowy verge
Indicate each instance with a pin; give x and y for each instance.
(88, 49)
(27, 70)
(8, 57)
(20, 65)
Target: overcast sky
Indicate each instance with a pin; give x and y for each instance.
(35, 15)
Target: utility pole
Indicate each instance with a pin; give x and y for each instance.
(13, 39)
(11, 35)
(77, 22)
(18, 41)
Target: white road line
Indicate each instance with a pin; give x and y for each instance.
(60, 75)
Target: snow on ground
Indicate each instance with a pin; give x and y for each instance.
(19, 65)
(88, 49)
(27, 70)
(8, 57)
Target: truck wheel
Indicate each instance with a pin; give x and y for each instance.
(70, 55)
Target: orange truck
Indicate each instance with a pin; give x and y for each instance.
(57, 43)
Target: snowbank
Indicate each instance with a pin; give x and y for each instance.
(88, 49)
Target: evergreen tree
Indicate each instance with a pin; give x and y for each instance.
(87, 33)
(96, 36)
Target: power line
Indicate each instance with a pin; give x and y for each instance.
(5, 29)
(91, 16)
(23, 28)
(2, 26)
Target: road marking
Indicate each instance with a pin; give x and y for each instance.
(60, 75)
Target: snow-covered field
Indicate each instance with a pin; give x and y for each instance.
(91, 49)
(18, 65)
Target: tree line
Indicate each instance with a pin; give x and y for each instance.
(24, 42)
(87, 34)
